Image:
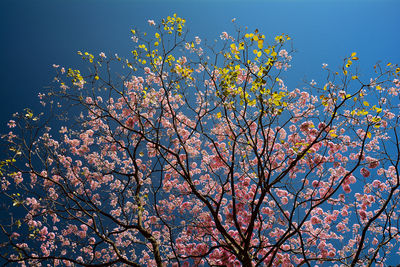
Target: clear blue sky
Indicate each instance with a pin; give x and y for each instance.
(36, 34)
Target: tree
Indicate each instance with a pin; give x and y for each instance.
(203, 156)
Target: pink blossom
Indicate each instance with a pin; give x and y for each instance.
(315, 183)
(14, 235)
(283, 53)
(315, 220)
(363, 214)
(17, 177)
(346, 189)
(224, 36)
(11, 124)
(364, 172)
(44, 231)
(81, 234)
(376, 183)
(130, 122)
(197, 40)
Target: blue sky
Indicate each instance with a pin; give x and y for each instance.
(36, 34)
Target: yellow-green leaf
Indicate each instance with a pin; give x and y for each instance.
(260, 44)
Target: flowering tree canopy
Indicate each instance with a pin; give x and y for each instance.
(199, 154)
